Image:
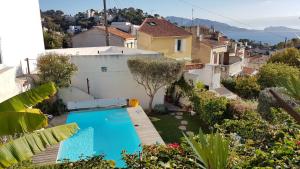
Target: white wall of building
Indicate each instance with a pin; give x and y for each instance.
(117, 82)
(20, 32)
(210, 75)
(108, 73)
(8, 86)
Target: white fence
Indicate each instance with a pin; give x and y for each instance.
(97, 103)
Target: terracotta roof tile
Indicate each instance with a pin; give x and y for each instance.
(116, 32)
(248, 70)
(162, 28)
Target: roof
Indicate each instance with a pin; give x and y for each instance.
(116, 32)
(106, 50)
(162, 28)
(212, 43)
(249, 71)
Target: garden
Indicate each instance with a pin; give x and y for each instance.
(259, 130)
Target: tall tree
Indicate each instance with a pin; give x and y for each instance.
(155, 73)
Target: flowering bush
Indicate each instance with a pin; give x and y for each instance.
(160, 156)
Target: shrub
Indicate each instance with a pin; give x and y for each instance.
(96, 162)
(247, 87)
(160, 156)
(266, 101)
(273, 73)
(160, 109)
(256, 142)
(236, 109)
(290, 56)
(230, 84)
(56, 68)
(210, 107)
(54, 108)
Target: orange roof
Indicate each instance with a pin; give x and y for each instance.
(212, 43)
(248, 70)
(162, 28)
(116, 32)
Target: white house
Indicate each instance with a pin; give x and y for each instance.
(107, 72)
(19, 39)
(97, 37)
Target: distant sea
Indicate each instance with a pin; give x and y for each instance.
(263, 36)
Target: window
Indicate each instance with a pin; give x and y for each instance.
(179, 44)
(104, 69)
(152, 23)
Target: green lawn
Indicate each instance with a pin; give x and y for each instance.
(167, 126)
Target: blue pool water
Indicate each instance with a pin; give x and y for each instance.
(102, 132)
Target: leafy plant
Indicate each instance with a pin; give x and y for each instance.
(210, 108)
(271, 74)
(292, 86)
(161, 156)
(28, 145)
(16, 113)
(56, 68)
(247, 87)
(161, 109)
(211, 150)
(290, 56)
(154, 73)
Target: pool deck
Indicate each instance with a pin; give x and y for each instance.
(145, 130)
(49, 156)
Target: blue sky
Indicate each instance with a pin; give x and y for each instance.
(243, 13)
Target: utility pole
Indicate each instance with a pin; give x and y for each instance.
(192, 16)
(285, 42)
(105, 23)
(28, 68)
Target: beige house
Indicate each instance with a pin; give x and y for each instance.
(162, 36)
(208, 47)
(96, 37)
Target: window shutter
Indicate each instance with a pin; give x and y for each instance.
(175, 47)
(183, 48)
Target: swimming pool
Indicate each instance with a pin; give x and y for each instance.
(102, 132)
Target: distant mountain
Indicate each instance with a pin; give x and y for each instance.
(271, 35)
(204, 22)
(280, 29)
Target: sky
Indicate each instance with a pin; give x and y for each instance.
(253, 14)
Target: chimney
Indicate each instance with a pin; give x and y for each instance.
(198, 30)
(200, 37)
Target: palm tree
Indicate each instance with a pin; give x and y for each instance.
(211, 150)
(18, 117)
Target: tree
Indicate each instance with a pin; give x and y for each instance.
(53, 40)
(155, 73)
(290, 56)
(271, 74)
(56, 68)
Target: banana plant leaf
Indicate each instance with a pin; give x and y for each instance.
(27, 146)
(29, 98)
(22, 122)
(16, 114)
